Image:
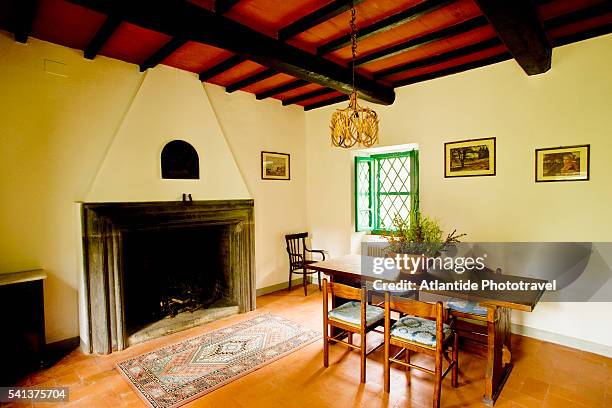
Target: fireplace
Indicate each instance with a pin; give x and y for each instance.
(156, 268)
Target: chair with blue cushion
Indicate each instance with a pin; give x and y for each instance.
(353, 317)
(472, 319)
(422, 329)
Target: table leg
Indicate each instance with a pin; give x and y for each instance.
(499, 355)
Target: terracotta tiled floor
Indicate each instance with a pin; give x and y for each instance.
(545, 374)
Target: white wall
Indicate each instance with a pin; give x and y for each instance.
(170, 104)
(571, 104)
(54, 133)
(250, 127)
(95, 134)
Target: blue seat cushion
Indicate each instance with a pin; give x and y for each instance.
(466, 306)
(418, 330)
(350, 312)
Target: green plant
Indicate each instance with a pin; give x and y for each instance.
(419, 234)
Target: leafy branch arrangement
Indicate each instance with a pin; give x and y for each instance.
(422, 236)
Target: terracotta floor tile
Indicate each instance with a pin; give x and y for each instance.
(544, 374)
(535, 388)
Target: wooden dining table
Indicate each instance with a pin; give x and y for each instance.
(349, 270)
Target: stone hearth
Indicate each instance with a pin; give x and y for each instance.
(108, 232)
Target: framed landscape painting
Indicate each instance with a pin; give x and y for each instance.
(567, 163)
(275, 166)
(468, 158)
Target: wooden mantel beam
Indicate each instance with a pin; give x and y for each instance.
(518, 26)
(191, 22)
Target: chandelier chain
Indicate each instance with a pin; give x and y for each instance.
(353, 40)
(354, 125)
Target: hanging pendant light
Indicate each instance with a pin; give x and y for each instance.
(354, 125)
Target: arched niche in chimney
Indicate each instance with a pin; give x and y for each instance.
(180, 160)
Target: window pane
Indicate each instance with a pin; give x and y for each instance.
(364, 216)
(394, 174)
(393, 189)
(390, 206)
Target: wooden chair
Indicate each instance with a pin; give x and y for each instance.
(355, 316)
(296, 249)
(471, 320)
(422, 330)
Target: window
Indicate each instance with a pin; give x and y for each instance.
(386, 185)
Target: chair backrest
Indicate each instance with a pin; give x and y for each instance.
(296, 247)
(344, 292)
(431, 311)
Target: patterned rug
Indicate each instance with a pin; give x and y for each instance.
(176, 374)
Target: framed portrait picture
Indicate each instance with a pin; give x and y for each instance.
(468, 158)
(567, 163)
(275, 166)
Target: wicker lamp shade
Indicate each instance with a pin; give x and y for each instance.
(354, 125)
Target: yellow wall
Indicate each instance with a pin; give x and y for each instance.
(569, 105)
(88, 135)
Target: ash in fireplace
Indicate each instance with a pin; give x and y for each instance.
(179, 297)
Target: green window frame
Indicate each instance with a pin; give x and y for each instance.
(385, 185)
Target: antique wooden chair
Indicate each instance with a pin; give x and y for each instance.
(298, 261)
(355, 316)
(422, 330)
(471, 321)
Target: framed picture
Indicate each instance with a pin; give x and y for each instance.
(468, 158)
(275, 166)
(567, 163)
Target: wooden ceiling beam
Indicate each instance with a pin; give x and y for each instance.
(583, 35)
(517, 24)
(580, 15)
(326, 102)
(243, 83)
(307, 95)
(164, 52)
(194, 23)
(24, 12)
(454, 70)
(315, 18)
(223, 6)
(415, 43)
(103, 34)
(385, 24)
(298, 83)
(221, 67)
(440, 58)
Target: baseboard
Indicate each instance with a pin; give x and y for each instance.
(563, 340)
(277, 287)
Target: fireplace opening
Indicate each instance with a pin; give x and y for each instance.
(175, 278)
